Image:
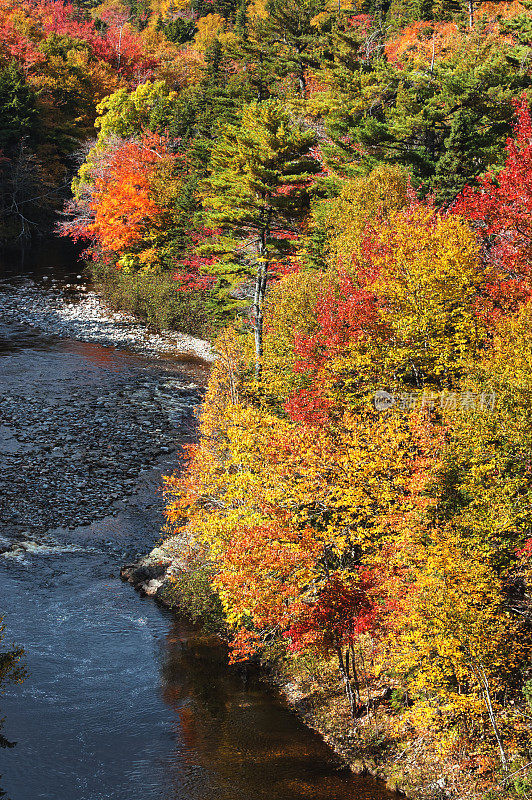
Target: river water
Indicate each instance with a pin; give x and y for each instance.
(123, 701)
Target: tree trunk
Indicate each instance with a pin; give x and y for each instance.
(301, 79)
(347, 683)
(355, 673)
(366, 674)
(478, 669)
(302, 83)
(260, 86)
(470, 9)
(258, 300)
(120, 46)
(491, 714)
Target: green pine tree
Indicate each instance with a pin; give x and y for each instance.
(447, 123)
(17, 109)
(293, 37)
(257, 191)
(258, 55)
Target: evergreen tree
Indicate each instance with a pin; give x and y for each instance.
(257, 190)
(468, 149)
(225, 8)
(241, 19)
(258, 54)
(290, 30)
(446, 121)
(520, 25)
(17, 109)
(200, 111)
(178, 30)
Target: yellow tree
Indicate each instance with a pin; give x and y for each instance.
(430, 282)
(362, 205)
(454, 638)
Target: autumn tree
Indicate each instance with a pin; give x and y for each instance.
(363, 204)
(484, 478)
(346, 607)
(429, 282)
(289, 314)
(454, 639)
(149, 107)
(118, 202)
(500, 210)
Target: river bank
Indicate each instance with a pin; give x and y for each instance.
(72, 310)
(122, 701)
(152, 576)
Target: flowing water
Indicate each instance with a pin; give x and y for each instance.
(122, 701)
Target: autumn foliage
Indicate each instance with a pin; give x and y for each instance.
(123, 200)
(500, 210)
(341, 199)
(389, 541)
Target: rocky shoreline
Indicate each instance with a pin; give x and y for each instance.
(74, 311)
(151, 576)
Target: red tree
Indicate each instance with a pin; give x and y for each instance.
(346, 608)
(117, 207)
(501, 210)
(345, 316)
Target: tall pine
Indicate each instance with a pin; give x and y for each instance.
(258, 192)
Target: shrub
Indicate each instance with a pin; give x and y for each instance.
(154, 297)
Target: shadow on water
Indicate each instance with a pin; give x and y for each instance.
(235, 727)
(46, 259)
(12, 670)
(4, 744)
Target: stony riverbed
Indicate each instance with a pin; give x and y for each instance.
(73, 311)
(73, 445)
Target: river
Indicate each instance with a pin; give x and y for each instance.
(122, 701)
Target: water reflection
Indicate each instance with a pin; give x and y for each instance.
(4, 743)
(48, 259)
(12, 670)
(112, 359)
(248, 743)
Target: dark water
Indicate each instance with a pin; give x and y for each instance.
(46, 261)
(123, 701)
